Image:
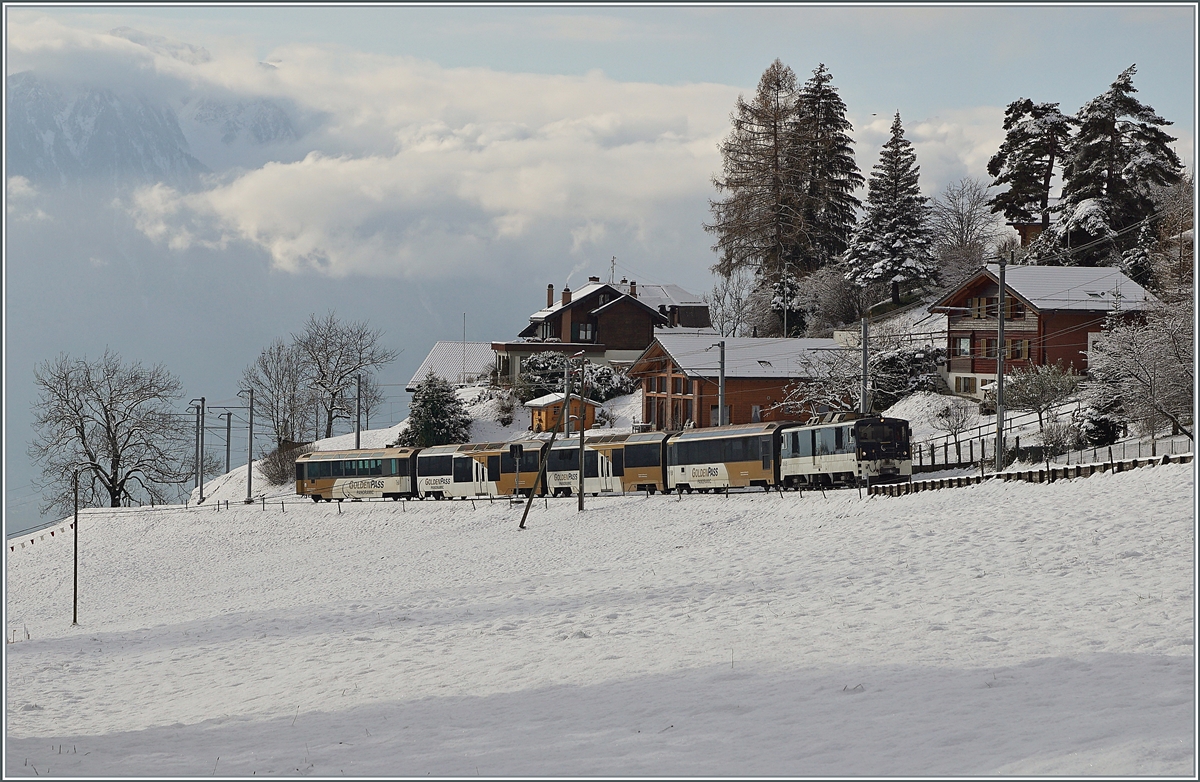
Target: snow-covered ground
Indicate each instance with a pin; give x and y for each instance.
(999, 629)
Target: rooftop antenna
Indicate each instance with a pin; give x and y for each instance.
(612, 270)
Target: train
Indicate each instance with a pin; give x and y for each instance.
(842, 450)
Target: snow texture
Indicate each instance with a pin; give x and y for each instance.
(759, 634)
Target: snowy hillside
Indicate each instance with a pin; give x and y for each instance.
(757, 634)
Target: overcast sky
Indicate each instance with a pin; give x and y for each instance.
(458, 159)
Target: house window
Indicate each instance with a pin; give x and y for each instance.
(545, 331)
(586, 332)
(983, 306)
(660, 384)
(712, 415)
(989, 348)
(964, 385)
(1014, 309)
(960, 346)
(755, 414)
(1016, 348)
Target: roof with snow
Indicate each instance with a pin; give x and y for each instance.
(745, 357)
(1064, 287)
(550, 399)
(458, 363)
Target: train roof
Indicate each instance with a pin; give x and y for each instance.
(843, 422)
(735, 430)
(361, 453)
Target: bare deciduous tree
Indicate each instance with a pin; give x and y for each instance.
(334, 353)
(954, 419)
(281, 389)
(1151, 366)
(113, 423)
(964, 229)
(729, 303)
(829, 380)
(1040, 388)
(373, 398)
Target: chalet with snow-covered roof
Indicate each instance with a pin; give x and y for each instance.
(546, 412)
(680, 373)
(608, 322)
(1052, 314)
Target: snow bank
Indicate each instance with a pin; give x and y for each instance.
(998, 629)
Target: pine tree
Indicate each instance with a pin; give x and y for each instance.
(1036, 140)
(827, 153)
(759, 224)
(436, 416)
(1119, 155)
(893, 244)
(1138, 261)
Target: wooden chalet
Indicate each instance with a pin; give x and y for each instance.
(609, 322)
(679, 374)
(1052, 314)
(546, 411)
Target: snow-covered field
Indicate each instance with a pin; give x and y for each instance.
(998, 629)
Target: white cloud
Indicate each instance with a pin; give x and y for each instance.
(418, 171)
(20, 204)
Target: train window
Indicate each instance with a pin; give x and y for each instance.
(434, 465)
(325, 469)
(336, 469)
(647, 455)
(618, 462)
(764, 450)
(735, 450)
(839, 441)
(299, 472)
(493, 468)
(591, 464)
(462, 469)
(562, 459)
(376, 467)
(824, 443)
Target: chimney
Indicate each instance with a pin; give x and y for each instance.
(566, 295)
(549, 295)
(633, 288)
(593, 279)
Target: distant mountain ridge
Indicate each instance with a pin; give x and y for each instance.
(93, 135)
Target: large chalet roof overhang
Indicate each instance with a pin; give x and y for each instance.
(746, 358)
(1051, 288)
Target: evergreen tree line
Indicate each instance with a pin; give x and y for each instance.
(798, 253)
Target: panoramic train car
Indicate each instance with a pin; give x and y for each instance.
(600, 474)
(642, 459)
(870, 450)
(477, 469)
(724, 457)
(386, 473)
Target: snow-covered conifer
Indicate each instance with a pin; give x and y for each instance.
(437, 416)
(830, 171)
(1037, 137)
(893, 243)
(1118, 157)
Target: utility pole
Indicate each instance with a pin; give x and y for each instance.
(721, 385)
(864, 405)
(357, 411)
(75, 580)
(228, 433)
(1000, 302)
(582, 422)
(250, 449)
(199, 445)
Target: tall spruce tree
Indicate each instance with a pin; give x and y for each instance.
(436, 415)
(827, 154)
(759, 223)
(893, 243)
(1118, 157)
(1036, 139)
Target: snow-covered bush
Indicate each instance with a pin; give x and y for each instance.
(279, 466)
(1102, 419)
(542, 373)
(1058, 437)
(894, 374)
